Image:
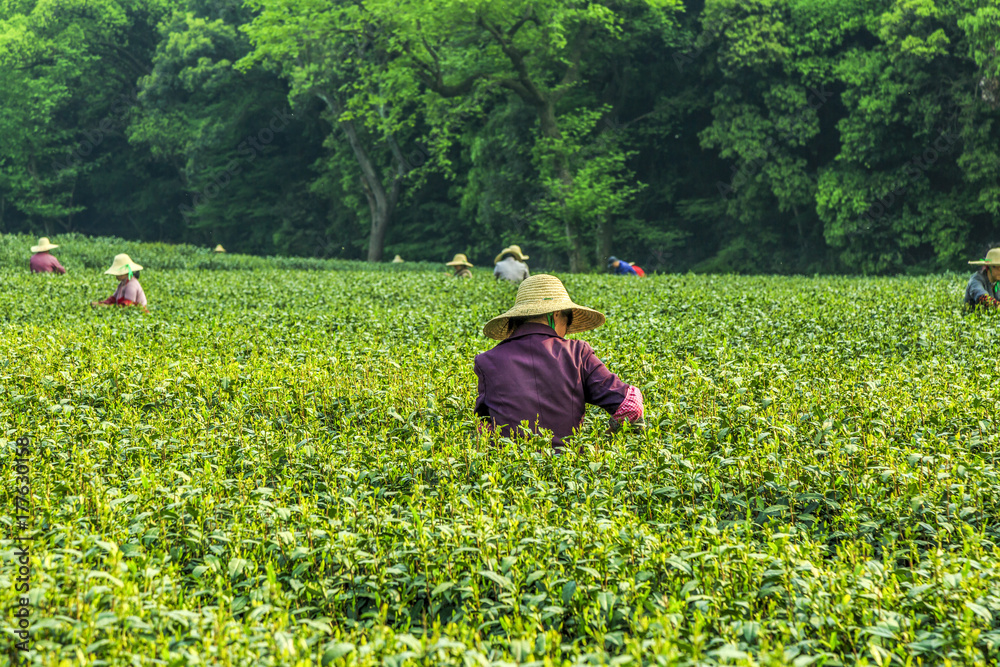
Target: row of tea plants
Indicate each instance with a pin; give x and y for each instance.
(281, 467)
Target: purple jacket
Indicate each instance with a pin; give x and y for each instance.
(43, 262)
(538, 377)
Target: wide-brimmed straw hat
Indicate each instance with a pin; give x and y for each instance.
(121, 265)
(460, 260)
(538, 295)
(398, 260)
(43, 245)
(511, 250)
(219, 248)
(992, 258)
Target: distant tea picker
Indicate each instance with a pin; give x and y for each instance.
(535, 375)
(462, 266)
(510, 265)
(981, 292)
(620, 268)
(129, 292)
(42, 261)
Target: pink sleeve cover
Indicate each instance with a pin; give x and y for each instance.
(631, 408)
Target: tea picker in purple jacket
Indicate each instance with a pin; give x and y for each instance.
(42, 260)
(536, 375)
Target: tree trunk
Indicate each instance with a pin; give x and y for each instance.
(603, 248)
(577, 259)
(376, 238)
(382, 204)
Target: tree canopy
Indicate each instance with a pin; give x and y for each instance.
(749, 136)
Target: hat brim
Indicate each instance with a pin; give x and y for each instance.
(513, 254)
(43, 248)
(983, 262)
(122, 270)
(584, 319)
(458, 264)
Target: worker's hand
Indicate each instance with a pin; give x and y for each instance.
(614, 425)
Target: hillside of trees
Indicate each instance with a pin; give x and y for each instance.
(858, 136)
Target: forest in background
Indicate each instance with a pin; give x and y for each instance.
(855, 136)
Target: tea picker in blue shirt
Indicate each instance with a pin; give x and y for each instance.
(620, 268)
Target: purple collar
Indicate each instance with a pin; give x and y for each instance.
(532, 328)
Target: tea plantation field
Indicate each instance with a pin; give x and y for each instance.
(278, 465)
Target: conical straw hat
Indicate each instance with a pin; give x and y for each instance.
(512, 250)
(398, 260)
(992, 258)
(43, 245)
(219, 248)
(460, 260)
(538, 295)
(121, 265)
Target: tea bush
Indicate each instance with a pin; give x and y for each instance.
(278, 467)
(79, 251)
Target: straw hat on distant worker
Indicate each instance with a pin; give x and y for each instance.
(536, 375)
(44, 245)
(512, 250)
(123, 265)
(398, 260)
(992, 258)
(462, 266)
(42, 261)
(219, 248)
(459, 260)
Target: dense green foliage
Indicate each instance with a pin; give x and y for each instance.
(750, 136)
(278, 467)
